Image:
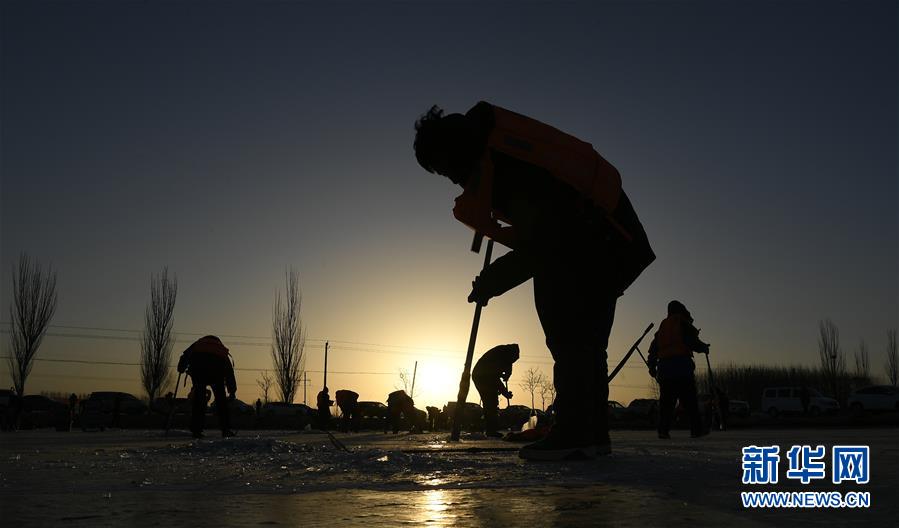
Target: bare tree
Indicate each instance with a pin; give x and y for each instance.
(833, 361)
(156, 340)
(532, 381)
(265, 382)
(33, 305)
(892, 364)
(289, 338)
(405, 381)
(862, 365)
(547, 389)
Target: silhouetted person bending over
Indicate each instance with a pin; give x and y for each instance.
(348, 403)
(490, 376)
(671, 363)
(208, 363)
(401, 405)
(559, 206)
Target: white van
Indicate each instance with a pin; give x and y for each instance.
(777, 400)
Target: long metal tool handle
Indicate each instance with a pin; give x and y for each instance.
(465, 382)
(714, 394)
(630, 352)
(168, 419)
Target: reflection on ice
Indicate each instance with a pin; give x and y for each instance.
(434, 510)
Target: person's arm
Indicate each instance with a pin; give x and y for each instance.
(691, 338)
(653, 358)
(230, 382)
(503, 274)
(184, 361)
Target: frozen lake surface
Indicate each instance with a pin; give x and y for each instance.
(140, 478)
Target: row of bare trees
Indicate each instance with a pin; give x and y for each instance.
(34, 301)
(536, 383)
(832, 359)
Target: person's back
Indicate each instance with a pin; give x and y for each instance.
(671, 363)
(208, 363)
(497, 361)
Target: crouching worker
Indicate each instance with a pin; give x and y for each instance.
(490, 376)
(208, 363)
(401, 405)
(348, 403)
(671, 363)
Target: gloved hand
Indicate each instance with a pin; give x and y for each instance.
(478, 295)
(509, 395)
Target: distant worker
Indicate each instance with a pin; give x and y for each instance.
(723, 408)
(208, 363)
(400, 405)
(560, 208)
(804, 398)
(73, 409)
(348, 403)
(671, 363)
(433, 417)
(324, 403)
(491, 377)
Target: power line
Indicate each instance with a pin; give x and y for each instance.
(129, 364)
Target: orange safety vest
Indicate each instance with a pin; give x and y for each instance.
(670, 341)
(562, 155)
(210, 345)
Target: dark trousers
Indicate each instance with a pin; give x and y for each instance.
(350, 418)
(488, 388)
(198, 405)
(577, 313)
(395, 412)
(671, 390)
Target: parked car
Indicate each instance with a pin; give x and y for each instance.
(106, 402)
(739, 408)
(616, 410)
(161, 405)
(781, 400)
(472, 416)
(286, 415)
(644, 409)
(874, 398)
(8, 402)
(236, 408)
(106, 409)
(373, 415)
(41, 411)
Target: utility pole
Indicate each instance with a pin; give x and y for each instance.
(305, 381)
(325, 383)
(414, 372)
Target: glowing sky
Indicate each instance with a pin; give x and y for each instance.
(757, 142)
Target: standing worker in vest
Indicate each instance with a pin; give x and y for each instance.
(671, 363)
(490, 376)
(324, 403)
(570, 227)
(208, 363)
